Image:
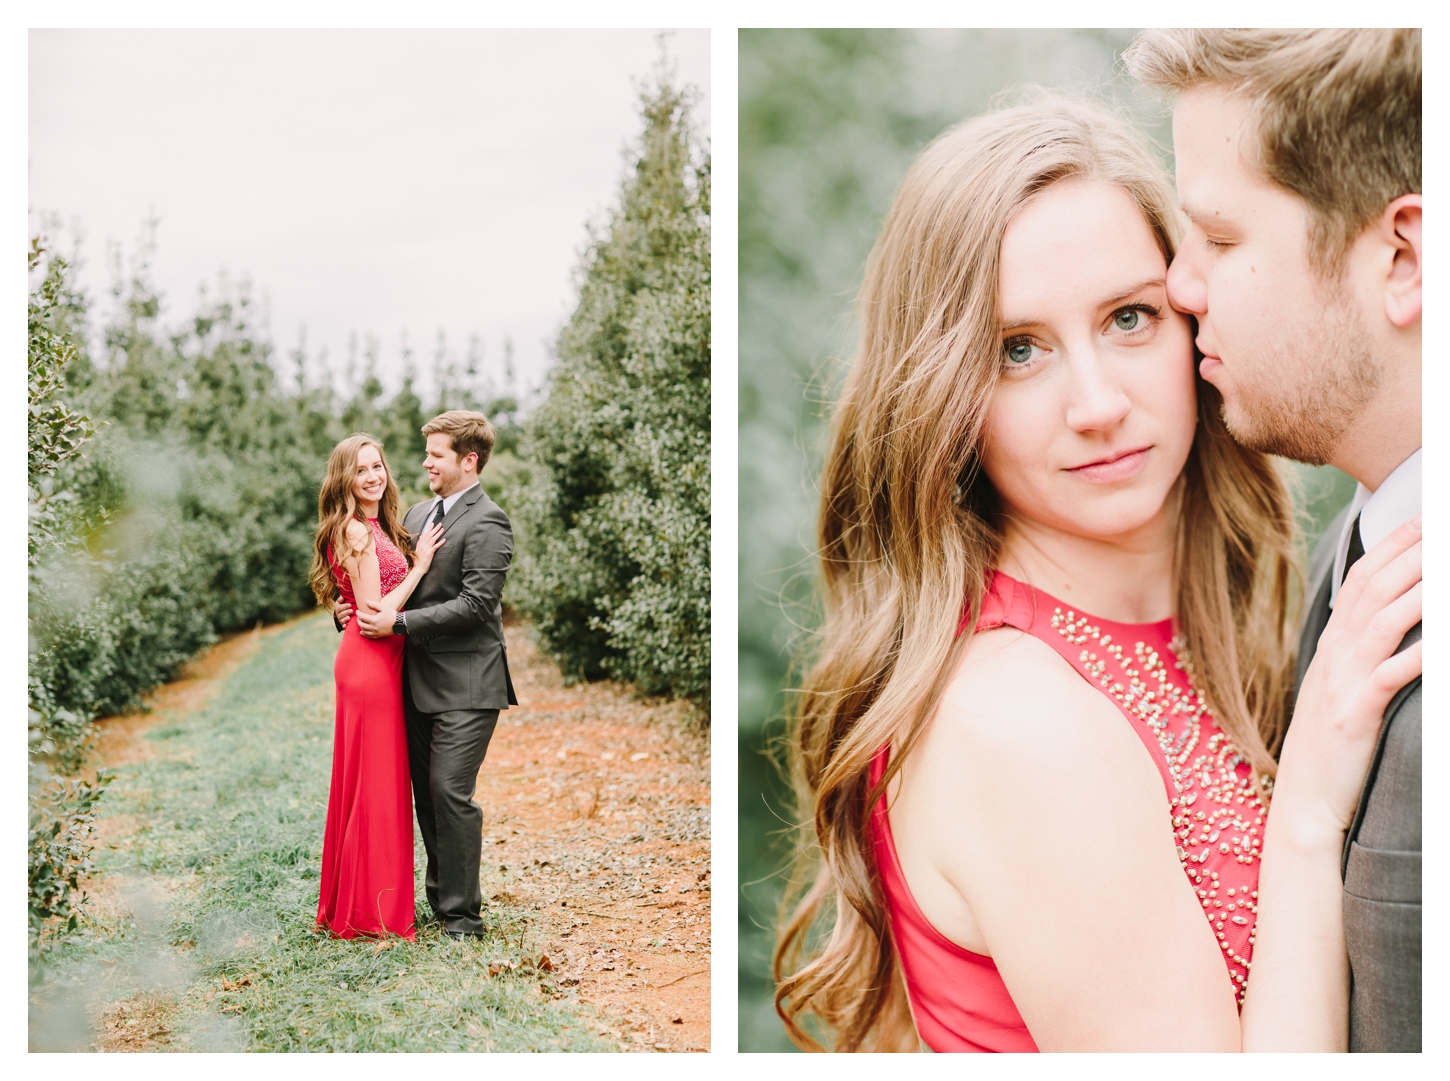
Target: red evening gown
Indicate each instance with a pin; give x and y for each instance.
(367, 851)
(958, 999)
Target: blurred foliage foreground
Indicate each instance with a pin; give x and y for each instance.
(173, 483)
(829, 122)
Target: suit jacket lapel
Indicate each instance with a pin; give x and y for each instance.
(1318, 587)
(468, 499)
(1315, 620)
(1379, 752)
(412, 516)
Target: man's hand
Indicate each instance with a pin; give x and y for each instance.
(1355, 673)
(376, 621)
(342, 612)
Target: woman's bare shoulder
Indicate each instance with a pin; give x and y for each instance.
(1010, 689)
(1018, 735)
(359, 537)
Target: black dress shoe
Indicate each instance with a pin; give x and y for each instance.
(461, 935)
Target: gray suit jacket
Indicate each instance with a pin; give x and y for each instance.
(1381, 862)
(456, 655)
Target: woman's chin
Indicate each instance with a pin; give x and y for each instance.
(1123, 515)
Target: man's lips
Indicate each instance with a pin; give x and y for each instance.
(1210, 362)
(1113, 468)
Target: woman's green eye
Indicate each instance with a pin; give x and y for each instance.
(1128, 319)
(1019, 352)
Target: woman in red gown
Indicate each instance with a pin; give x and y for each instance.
(362, 554)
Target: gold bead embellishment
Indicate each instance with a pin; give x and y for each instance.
(1216, 809)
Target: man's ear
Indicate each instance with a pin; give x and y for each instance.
(1399, 228)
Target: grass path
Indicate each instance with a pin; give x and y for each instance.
(203, 938)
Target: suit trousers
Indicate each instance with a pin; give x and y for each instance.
(445, 753)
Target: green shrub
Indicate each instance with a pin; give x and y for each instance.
(611, 495)
(208, 473)
(148, 617)
(60, 811)
(61, 815)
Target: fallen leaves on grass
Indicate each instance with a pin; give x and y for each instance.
(526, 964)
(138, 1023)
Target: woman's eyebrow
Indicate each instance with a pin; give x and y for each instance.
(1140, 287)
(1112, 301)
(1010, 327)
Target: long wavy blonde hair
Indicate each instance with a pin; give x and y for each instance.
(337, 506)
(908, 531)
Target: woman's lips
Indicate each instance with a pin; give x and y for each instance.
(1112, 470)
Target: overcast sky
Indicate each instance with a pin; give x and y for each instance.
(363, 180)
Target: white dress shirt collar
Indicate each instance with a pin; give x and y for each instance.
(448, 502)
(1395, 501)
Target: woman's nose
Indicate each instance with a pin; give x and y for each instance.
(1099, 402)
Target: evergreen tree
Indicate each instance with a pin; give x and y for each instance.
(612, 510)
(401, 430)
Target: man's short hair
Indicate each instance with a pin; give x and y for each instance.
(469, 433)
(1338, 113)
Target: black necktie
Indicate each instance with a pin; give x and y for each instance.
(438, 518)
(1356, 549)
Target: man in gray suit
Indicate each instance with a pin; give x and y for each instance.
(1298, 163)
(456, 677)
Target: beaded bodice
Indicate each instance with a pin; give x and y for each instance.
(392, 565)
(1216, 809)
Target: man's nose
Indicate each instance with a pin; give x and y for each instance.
(1187, 291)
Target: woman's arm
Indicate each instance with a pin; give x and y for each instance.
(361, 563)
(429, 543)
(1298, 997)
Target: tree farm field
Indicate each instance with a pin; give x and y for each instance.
(595, 876)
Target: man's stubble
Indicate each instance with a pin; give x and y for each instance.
(1322, 379)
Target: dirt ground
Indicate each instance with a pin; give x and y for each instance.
(596, 818)
(596, 814)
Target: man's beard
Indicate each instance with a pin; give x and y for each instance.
(1325, 377)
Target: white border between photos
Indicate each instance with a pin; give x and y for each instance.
(724, 543)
